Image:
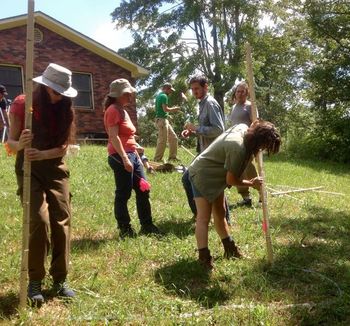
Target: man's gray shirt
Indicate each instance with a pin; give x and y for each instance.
(211, 121)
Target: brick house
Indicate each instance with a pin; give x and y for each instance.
(93, 65)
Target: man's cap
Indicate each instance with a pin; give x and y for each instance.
(120, 86)
(168, 85)
(3, 90)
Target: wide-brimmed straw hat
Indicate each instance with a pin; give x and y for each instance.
(120, 86)
(59, 79)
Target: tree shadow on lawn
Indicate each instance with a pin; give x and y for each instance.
(186, 278)
(181, 229)
(335, 168)
(314, 268)
(88, 244)
(8, 304)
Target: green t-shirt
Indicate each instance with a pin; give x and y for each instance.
(161, 99)
(226, 153)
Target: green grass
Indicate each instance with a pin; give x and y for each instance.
(150, 281)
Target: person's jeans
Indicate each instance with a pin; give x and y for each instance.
(189, 193)
(125, 182)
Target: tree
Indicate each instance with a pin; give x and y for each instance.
(215, 46)
(330, 76)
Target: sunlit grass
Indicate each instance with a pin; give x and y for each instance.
(158, 281)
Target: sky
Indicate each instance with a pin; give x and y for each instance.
(89, 17)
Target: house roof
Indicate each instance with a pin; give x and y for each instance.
(76, 37)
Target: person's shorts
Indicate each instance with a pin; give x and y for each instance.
(195, 191)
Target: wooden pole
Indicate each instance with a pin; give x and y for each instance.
(259, 157)
(187, 150)
(27, 164)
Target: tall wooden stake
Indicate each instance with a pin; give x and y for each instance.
(266, 225)
(27, 164)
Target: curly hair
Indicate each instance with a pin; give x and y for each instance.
(262, 135)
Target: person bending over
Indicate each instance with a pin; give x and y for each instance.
(220, 166)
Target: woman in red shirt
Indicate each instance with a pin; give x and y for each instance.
(52, 131)
(125, 161)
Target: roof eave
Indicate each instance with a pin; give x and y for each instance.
(78, 38)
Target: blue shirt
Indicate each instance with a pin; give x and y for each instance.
(211, 121)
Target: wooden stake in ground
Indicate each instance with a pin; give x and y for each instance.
(27, 165)
(279, 193)
(187, 151)
(266, 226)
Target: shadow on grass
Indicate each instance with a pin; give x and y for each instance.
(187, 279)
(8, 305)
(181, 229)
(318, 165)
(88, 244)
(314, 268)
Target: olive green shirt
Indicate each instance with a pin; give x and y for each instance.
(227, 153)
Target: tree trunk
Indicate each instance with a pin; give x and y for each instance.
(219, 96)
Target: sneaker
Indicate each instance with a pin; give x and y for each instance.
(126, 231)
(34, 293)
(62, 289)
(149, 229)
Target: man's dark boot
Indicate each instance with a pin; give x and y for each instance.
(126, 231)
(205, 259)
(231, 250)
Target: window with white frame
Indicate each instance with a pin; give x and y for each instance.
(11, 78)
(82, 82)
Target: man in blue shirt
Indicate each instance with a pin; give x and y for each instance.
(210, 126)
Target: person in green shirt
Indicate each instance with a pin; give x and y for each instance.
(220, 166)
(165, 130)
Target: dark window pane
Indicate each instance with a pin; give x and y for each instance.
(11, 78)
(82, 83)
(83, 100)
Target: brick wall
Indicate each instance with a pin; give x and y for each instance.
(57, 49)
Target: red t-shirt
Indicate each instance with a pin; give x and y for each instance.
(126, 129)
(18, 109)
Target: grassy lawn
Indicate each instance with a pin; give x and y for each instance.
(150, 281)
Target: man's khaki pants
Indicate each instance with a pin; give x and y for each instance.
(165, 134)
(49, 206)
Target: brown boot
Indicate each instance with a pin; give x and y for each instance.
(205, 259)
(231, 250)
